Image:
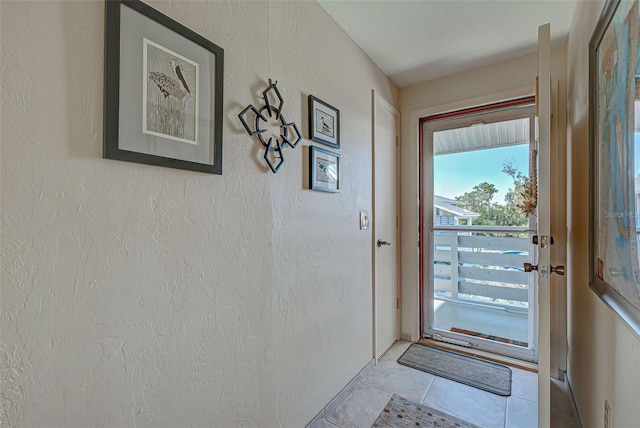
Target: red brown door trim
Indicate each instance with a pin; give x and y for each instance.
(421, 201)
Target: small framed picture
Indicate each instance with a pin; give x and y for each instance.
(163, 91)
(324, 123)
(324, 170)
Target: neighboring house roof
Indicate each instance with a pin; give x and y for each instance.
(451, 205)
(443, 200)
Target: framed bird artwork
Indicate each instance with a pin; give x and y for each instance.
(324, 122)
(163, 90)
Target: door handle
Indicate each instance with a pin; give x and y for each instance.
(528, 267)
(381, 243)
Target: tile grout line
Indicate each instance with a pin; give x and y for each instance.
(324, 418)
(427, 390)
(523, 399)
(506, 409)
(377, 389)
(353, 380)
(332, 424)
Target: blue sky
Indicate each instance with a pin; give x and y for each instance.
(457, 173)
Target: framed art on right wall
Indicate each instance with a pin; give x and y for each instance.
(324, 123)
(614, 116)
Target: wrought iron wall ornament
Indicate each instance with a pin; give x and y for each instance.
(289, 133)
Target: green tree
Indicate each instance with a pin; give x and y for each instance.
(480, 200)
(480, 197)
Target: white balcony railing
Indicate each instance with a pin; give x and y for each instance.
(482, 265)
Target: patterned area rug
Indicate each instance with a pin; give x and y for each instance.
(400, 412)
(489, 336)
(474, 372)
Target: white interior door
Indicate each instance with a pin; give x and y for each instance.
(544, 224)
(386, 242)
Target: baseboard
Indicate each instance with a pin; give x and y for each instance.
(573, 399)
(320, 416)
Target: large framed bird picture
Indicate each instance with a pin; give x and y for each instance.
(163, 90)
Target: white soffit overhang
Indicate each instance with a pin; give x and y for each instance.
(481, 136)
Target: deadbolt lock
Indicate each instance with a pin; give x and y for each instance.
(544, 240)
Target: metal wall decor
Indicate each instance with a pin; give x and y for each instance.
(274, 145)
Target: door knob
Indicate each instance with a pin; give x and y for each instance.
(381, 243)
(528, 267)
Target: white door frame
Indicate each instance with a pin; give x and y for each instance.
(378, 101)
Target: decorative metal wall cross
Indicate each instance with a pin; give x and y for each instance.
(275, 145)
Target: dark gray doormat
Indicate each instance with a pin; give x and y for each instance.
(480, 374)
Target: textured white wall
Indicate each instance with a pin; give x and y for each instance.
(604, 356)
(135, 295)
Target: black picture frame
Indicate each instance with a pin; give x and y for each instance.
(324, 123)
(324, 170)
(177, 77)
(606, 198)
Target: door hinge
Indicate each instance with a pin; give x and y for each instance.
(397, 303)
(397, 141)
(397, 222)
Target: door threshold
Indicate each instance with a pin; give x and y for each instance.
(483, 355)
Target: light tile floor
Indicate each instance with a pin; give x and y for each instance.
(360, 404)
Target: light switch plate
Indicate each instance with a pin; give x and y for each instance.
(364, 220)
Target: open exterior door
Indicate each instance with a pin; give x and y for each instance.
(544, 268)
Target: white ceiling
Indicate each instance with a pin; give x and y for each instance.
(421, 40)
